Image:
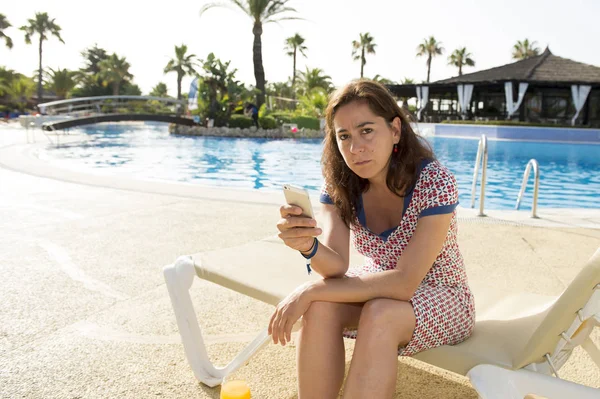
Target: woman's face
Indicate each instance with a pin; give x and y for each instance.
(365, 140)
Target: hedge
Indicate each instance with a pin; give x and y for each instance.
(240, 121)
(307, 122)
(282, 117)
(276, 119)
(267, 122)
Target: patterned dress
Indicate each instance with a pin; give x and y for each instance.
(443, 303)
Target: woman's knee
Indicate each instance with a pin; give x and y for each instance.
(388, 316)
(321, 314)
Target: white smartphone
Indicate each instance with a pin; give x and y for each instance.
(298, 196)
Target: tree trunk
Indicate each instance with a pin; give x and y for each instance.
(178, 107)
(362, 61)
(428, 67)
(259, 71)
(116, 85)
(294, 70)
(39, 88)
(179, 77)
(459, 69)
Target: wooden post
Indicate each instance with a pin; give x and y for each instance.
(522, 107)
(588, 109)
(542, 110)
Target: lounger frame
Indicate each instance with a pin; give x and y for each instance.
(180, 276)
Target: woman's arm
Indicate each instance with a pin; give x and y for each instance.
(400, 283)
(298, 232)
(333, 256)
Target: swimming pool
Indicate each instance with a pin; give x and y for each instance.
(569, 173)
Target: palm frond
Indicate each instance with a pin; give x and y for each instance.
(7, 40)
(237, 3)
(268, 21)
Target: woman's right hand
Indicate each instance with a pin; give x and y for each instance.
(297, 232)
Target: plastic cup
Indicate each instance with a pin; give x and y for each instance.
(235, 389)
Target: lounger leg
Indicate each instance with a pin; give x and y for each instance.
(179, 278)
(592, 350)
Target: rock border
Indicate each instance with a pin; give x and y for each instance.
(253, 132)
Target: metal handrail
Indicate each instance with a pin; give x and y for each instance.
(536, 185)
(482, 152)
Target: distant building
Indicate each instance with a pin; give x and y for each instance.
(544, 88)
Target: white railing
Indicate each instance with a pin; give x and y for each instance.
(536, 185)
(482, 157)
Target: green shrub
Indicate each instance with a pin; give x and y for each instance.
(510, 123)
(307, 122)
(282, 117)
(263, 111)
(267, 122)
(240, 121)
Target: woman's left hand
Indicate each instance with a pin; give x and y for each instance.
(288, 311)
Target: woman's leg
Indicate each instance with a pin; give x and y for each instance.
(384, 325)
(320, 352)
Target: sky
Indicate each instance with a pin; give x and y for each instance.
(146, 33)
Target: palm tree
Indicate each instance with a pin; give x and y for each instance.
(461, 57)
(3, 86)
(313, 78)
(183, 64)
(294, 44)
(524, 49)
(280, 89)
(43, 26)
(365, 45)
(20, 90)
(160, 90)
(430, 47)
(384, 81)
(7, 76)
(4, 24)
(114, 71)
(92, 57)
(261, 12)
(61, 81)
(314, 102)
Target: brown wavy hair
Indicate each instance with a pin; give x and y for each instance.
(342, 184)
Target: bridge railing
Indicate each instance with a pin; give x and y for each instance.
(84, 106)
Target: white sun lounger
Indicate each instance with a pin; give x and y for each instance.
(493, 382)
(513, 331)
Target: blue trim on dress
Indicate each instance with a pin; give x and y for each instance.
(439, 210)
(362, 218)
(324, 198)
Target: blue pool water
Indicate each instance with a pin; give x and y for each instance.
(570, 173)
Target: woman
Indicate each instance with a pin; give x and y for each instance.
(383, 185)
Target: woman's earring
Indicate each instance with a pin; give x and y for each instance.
(395, 148)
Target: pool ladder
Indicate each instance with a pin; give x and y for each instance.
(481, 159)
(536, 185)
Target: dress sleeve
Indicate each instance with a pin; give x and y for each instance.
(439, 191)
(324, 198)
